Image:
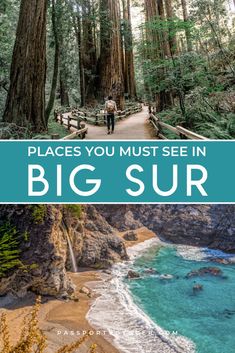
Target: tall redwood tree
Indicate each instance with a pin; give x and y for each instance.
(110, 62)
(25, 103)
(129, 70)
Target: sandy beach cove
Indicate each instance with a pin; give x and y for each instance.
(62, 321)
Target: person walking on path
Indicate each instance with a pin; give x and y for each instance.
(110, 109)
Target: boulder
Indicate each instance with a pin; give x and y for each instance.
(85, 290)
(205, 271)
(130, 236)
(197, 288)
(151, 271)
(133, 274)
(220, 261)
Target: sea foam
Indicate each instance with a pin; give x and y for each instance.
(132, 331)
(194, 253)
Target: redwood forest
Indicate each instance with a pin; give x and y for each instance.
(175, 56)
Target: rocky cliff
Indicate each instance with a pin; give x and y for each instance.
(44, 250)
(200, 225)
(44, 232)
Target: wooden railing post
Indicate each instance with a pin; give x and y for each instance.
(83, 129)
(69, 119)
(78, 123)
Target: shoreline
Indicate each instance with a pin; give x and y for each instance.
(61, 321)
(131, 330)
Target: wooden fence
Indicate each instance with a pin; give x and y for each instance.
(71, 121)
(100, 118)
(180, 131)
(75, 117)
(78, 134)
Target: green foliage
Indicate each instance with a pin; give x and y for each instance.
(231, 124)
(26, 236)
(9, 248)
(33, 266)
(55, 128)
(201, 80)
(38, 213)
(75, 210)
(200, 118)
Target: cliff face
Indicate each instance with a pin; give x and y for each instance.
(45, 253)
(201, 225)
(44, 247)
(94, 241)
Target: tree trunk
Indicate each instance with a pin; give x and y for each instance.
(64, 94)
(187, 29)
(25, 103)
(165, 101)
(129, 71)
(171, 29)
(152, 35)
(78, 31)
(164, 40)
(157, 41)
(110, 63)
(51, 101)
(152, 47)
(89, 52)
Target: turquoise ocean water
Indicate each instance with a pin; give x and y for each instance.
(206, 317)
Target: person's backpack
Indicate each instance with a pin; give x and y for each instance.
(110, 106)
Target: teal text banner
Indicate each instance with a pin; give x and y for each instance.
(117, 171)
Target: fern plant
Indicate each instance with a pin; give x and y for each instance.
(9, 248)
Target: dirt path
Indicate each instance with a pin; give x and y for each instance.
(135, 127)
